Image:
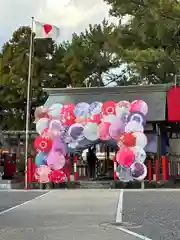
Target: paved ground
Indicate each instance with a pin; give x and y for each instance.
(87, 214)
(10, 199)
(157, 212)
(66, 215)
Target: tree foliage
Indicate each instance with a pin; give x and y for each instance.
(144, 49)
(14, 74)
(79, 62)
(149, 40)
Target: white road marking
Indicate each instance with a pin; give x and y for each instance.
(24, 203)
(119, 216)
(133, 233)
(120, 207)
(153, 190)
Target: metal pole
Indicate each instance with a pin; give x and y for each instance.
(175, 80)
(28, 102)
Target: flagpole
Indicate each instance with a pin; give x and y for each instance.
(28, 102)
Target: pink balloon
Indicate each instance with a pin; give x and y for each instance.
(55, 160)
(125, 157)
(40, 112)
(139, 106)
(103, 131)
(116, 128)
(96, 118)
(42, 174)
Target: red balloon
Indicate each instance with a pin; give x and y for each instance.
(57, 176)
(95, 118)
(67, 108)
(125, 157)
(109, 108)
(42, 144)
(128, 140)
(68, 118)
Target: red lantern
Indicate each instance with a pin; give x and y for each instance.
(57, 176)
(42, 144)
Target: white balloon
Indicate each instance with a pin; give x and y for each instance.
(42, 124)
(73, 145)
(124, 174)
(91, 131)
(133, 126)
(141, 139)
(55, 124)
(139, 154)
(122, 108)
(55, 110)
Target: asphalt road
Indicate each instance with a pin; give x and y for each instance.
(88, 214)
(156, 214)
(9, 199)
(66, 215)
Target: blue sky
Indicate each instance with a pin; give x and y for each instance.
(69, 15)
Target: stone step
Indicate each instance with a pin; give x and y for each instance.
(95, 185)
(9, 184)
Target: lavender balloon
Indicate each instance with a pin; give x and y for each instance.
(116, 128)
(81, 109)
(59, 146)
(76, 132)
(55, 160)
(138, 171)
(138, 117)
(95, 108)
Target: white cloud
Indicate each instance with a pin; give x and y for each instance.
(69, 15)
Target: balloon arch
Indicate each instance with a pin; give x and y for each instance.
(68, 128)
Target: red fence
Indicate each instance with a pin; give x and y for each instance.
(31, 168)
(167, 168)
(174, 166)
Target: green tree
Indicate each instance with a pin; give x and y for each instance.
(14, 74)
(87, 57)
(149, 40)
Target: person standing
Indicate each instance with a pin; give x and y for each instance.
(91, 160)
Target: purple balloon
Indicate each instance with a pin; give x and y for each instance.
(76, 132)
(138, 117)
(55, 160)
(81, 109)
(116, 128)
(95, 108)
(137, 170)
(59, 146)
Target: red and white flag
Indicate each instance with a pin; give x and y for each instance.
(44, 30)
